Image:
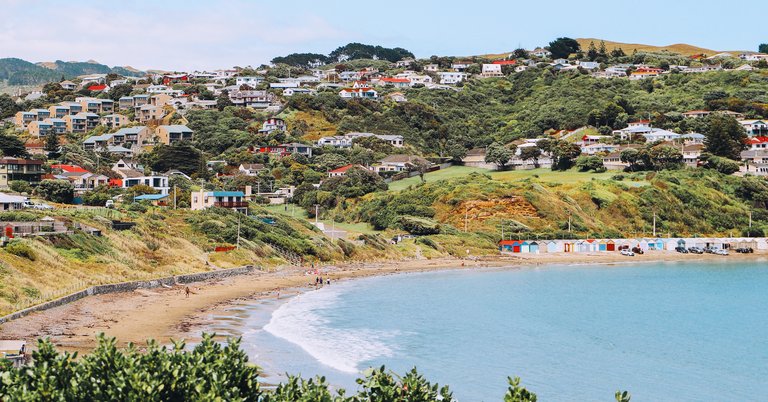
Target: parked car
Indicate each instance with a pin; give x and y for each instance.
(721, 252)
(681, 250)
(695, 250)
(637, 250)
(109, 204)
(32, 205)
(627, 253)
(745, 250)
(710, 250)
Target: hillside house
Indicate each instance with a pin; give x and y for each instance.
(660, 135)
(174, 133)
(394, 140)
(491, 70)
(298, 148)
(691, 154)
(251, 81)
(364, 93)
(342, 171)
(452, 78)
(251, 169)
(755, 128)
(234, 200)
(273, 124)
(399, 163)
(28, 170)
(395, 82)
(251, 98)
(755, 162)
(114, 120)
(11, 202)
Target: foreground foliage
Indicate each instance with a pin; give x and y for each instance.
(208, 372)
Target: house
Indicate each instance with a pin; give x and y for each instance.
(76, 123)
(755, 128)
(399, 163)
(404, 63)
(68, 85)
(451, 78)
(597, 148)
(298, 148)
(460, 66)
(633, 132)
(541, 53)
(394, 140)
(273, 124)
(395, 82)
(432, 68)
(660, 135)
(612, 161)
(173, 133)
(365, 93)
(589, 65)
(397, 97)
(251, 98)
(691, 154)
(131, 136)
(251, 169)
(114, 120)
(692, 138)
(491, 70)
(40, 128)
(84, 181)
(756, 143)
(11, 202)
(134, 178)
(28, 170)
(342, 171)
(22, 119)
(298, 91)
(696, 114)
(476, 158)
(337, 141)
(251, 81)
(147, 113)
(58, 111)
(234, 200)
(755, 162)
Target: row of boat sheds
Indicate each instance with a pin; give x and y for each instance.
(645, 244)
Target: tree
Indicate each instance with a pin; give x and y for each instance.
(8, 107)
(223, 100)
(531, 153)
(564, 154)
(561, 48)
(12, 146)
(183, 157)
(498, 154)
(521, 53)
(592, 53)
(725, 137)
(722, 165)
(517, 393)
(617, 52)
(602, 52)
(586, 163)
(61, 191)
(665, 157)
(631, 156)
(119, 91)
(20, 186)
(763, 48)
(52, 145)
(330, 161)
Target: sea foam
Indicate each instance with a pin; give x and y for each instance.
(301, 322)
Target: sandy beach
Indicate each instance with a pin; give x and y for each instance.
(165, 314)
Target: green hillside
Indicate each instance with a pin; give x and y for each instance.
(20, 72)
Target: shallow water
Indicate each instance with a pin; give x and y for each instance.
(665, 332)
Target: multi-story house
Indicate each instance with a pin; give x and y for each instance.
(273, 124)
(173, 134)
(74, 107)
(39, 128)
(365, 93)
(451, 78)
(28, 170)
(22, 119)
(250, 81)
(234, 200)
(114, 120)
(81, 122)
(126, 103)
(255, 99)
(146, 113)
(41, 114)
(59, 111)
(755, 128)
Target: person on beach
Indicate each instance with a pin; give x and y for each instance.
(186, 290)
(328, 282)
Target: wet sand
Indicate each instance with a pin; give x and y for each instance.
(163, 314)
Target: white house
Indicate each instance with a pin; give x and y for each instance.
(755, 128)
(250, 81)
(451, 78)
(661, 135)
(491, 70)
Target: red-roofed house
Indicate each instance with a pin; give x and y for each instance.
(396, 82)
(342, 171)
(367, 93)
(69, 168)
(97, 88)
(757, 143)
(505, 62)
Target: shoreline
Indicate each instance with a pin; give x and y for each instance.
(164, 314)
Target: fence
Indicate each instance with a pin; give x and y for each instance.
(77, 292)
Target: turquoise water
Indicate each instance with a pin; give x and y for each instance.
(665, 332)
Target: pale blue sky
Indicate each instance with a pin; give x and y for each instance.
(192, 34)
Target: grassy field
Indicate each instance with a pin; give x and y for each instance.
(544, 175)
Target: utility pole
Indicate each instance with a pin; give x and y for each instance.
(174, 196)
(569, 222)
(654, 224)
(317, 213)
(502, 230)
(238, 232)
(750, 224)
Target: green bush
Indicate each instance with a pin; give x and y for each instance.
(21, 249)
(419, 226)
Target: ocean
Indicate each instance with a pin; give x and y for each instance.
(663, 331)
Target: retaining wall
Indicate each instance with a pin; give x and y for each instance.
(128, 287)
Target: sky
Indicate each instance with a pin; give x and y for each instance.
(195, 34)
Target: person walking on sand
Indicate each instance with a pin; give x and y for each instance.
(186, 290)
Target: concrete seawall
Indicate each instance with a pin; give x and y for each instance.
(128, 287)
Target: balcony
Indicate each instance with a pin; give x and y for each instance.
(231, 204)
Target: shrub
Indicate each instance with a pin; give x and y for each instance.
(20, 186)
(21, 249)
(419, 226)
(427, 242)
